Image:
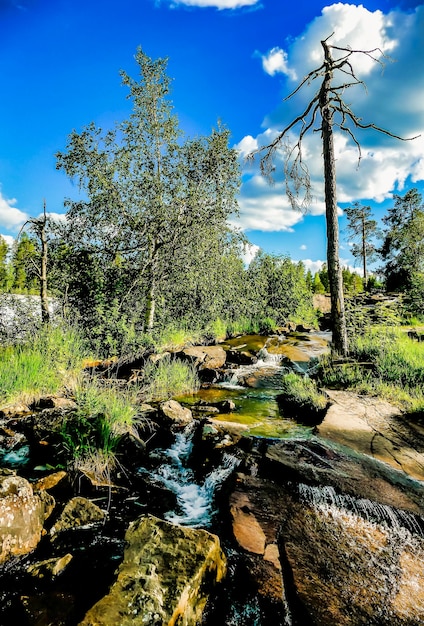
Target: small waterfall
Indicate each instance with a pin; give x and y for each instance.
(326, 498)
(195, 501)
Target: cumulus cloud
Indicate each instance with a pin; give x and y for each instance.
(10, 216)
(303, 247)
(276, 62)
(392, 101)
(313, 266)
(218, 4)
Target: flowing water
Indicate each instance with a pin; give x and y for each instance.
(195, 500)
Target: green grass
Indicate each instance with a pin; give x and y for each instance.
(167, 378)
(384, 361)
(44, 364)
(301, 397)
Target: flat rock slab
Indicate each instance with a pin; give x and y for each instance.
(374, 427)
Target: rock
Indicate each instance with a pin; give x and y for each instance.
(175, 412)
(376, 428)
(50, 481)
(317, 462)
(51, 568)
(255, 507)
(246, 528)
(205, 357)
(45, 609)
(76, 513)
(348, 571)
(164, 579)
(22, 515)
(54, 402)
(14, 410)
(241, 357)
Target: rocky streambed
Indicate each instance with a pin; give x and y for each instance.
(230, 514)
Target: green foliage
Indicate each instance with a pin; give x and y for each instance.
(278, 289)
(25, 255)
(170, 252)
(167, 378)
(300, 398)
(362, 230)
(44, 364)
(102, 417)
(4, 265)
(317, 286)
(403, 248)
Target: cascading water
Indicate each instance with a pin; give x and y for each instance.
(195, 500)
(326, 498)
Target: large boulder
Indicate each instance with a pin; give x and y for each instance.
(255, 507)
(164, 579)
(78, 512)
(22, 515)
(176, 413)
(205, 357)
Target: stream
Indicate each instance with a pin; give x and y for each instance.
(190, 482)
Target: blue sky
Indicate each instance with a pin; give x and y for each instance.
(233, 60)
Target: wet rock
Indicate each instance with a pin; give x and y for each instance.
(50, 482)
(348, 571)
(22, 515)
(175, 412)
(241, 357)
(76, 513)
(376, 428)
(51, 568)
(44, 609)
(255, 507)
(317, 462)
(165, 577)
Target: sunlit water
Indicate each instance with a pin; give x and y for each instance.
(195, 500)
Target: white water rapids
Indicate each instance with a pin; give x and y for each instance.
(195, 500)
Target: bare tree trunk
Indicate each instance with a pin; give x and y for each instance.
(364, 249)
(45, 315)
(335, 275)
(150, 307)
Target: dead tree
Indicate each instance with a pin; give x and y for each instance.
(38, 225)
(326, 110)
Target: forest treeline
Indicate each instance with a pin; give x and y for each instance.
(149, 242)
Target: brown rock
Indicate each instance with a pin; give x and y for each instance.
(206, 357)
(22, 515)
(175, 412)
(165, 577)
(76, 513)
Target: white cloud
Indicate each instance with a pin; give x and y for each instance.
(392, 101)
(8, 239)
(313, 266)
(249, 252)
(303, 247)
(10, 216)
(275, 62)
(218, 4)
